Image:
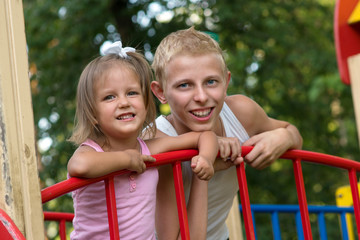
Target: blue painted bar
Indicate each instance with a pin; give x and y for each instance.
(320, 211)
(299, 227)
(322, 226)
(268, 208)
(254, 224)
(276, 225)
(345, 234)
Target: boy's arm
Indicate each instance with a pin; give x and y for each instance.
(271, 144)
(270, 137)
(86, 162)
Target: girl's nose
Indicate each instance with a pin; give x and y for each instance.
(200, 95)
(123, 102)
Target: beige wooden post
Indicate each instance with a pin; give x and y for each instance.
(233, 221)
(354, 71)
(19, 183)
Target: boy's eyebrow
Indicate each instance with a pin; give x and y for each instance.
(217, 76)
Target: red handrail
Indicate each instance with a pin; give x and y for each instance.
(300, 187)
(175, 157)
(62, 218)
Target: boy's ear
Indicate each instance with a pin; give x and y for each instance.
(228, 79)
(158, 91)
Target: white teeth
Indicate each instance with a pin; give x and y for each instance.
(202, 113)
(124, 117)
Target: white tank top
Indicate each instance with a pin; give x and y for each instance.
(223, 185)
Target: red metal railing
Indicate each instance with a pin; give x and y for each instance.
(174, 158)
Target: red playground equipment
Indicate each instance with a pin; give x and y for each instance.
(175, 158)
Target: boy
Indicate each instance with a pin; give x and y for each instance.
(192, 77)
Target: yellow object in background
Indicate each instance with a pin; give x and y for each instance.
(164, 109)
(355, 15)
(343, 198)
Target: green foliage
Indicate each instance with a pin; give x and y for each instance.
(280, 53)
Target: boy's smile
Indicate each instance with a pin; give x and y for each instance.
(195, 89)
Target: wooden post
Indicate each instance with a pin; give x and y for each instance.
(233, 221)
(354, 72)
(19, 183)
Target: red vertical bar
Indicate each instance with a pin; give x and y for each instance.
(245, 201)
(355, 196)
(62, 229)
(111, 208)
(300, 187)
(180, 199)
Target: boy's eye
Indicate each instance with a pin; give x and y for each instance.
(183, 85)
(211, 82)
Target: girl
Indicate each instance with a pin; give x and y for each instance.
(114, 104)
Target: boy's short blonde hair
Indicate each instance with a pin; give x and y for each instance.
(85, 122)
(184, 42)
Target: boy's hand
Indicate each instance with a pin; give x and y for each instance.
(268, 146)
(137, 160)
(202, 167)
(230, 150)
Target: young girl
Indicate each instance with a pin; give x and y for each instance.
(114, 105)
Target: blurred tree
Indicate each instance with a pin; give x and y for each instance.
(281, 54)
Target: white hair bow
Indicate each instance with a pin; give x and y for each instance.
(116, 48)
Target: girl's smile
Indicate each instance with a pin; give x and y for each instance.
(120, 108)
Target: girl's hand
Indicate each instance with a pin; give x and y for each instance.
(137, 160)
(230, 149)
(202, 167)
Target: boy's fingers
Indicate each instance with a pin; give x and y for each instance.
(238, 160)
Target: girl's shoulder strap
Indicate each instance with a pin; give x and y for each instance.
(144, 148)
(92, 144)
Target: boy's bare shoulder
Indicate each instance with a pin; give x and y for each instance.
(240, 104)
(247, 111)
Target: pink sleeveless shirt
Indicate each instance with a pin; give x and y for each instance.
(135, 201)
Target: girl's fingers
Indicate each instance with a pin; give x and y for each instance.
(148, 158)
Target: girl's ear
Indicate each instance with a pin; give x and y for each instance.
(158, 91)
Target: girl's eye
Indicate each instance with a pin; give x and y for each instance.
(133, 93)
(109, 97)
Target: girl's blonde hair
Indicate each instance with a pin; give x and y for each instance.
(184, 42)
(85, 122)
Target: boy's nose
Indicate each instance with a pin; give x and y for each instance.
(200, 95)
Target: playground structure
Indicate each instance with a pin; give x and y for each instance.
(21, 211)
(175, 158)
